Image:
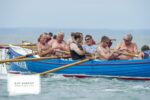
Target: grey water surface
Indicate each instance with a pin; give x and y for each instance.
(16, 35)
(61, 88)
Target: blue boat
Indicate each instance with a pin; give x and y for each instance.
(123, 69)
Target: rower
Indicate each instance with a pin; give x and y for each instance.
(59, 44)
(49, 36)
(104, 51)
(145, 54)
(42, 44)
(127, 46)
(76, 49)
(89, 45)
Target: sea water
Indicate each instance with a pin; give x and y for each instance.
(60, 88)
(16, 35)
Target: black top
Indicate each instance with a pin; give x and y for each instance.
(76, 56)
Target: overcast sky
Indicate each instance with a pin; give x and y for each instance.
(99, 14)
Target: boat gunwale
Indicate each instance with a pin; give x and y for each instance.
(100, 62)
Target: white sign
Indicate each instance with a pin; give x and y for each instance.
(23, 84)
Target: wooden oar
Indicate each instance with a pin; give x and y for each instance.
(63, 67)
(126, 54)
(19, 45)
(27, 59)
(62, 51)
(130, 54)
(21, 57)
(32, 47)
(25, 46)
(25, 56)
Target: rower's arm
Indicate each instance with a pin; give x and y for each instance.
(77, 49)
(103, 55)
(135, 48)
(39, 48)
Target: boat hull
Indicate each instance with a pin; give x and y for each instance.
(129, 69)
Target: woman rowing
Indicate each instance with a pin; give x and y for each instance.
(76, 49)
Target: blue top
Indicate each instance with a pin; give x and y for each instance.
(89, 49)
(147, 54)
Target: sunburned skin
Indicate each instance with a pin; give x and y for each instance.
(127, 46)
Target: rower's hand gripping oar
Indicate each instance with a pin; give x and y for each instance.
(126, 54)
(18, 59)
(25, 56)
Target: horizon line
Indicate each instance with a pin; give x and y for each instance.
(71, 28)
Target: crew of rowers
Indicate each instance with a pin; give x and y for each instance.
(80, 47)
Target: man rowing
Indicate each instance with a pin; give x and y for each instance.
(53, 47)
(127, 46)
(103, 50)
(59, 45)
(89, 46)
(42, 45)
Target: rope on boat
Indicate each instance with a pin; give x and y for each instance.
(63, 67)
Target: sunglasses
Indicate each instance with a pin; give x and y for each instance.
(87, 39)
